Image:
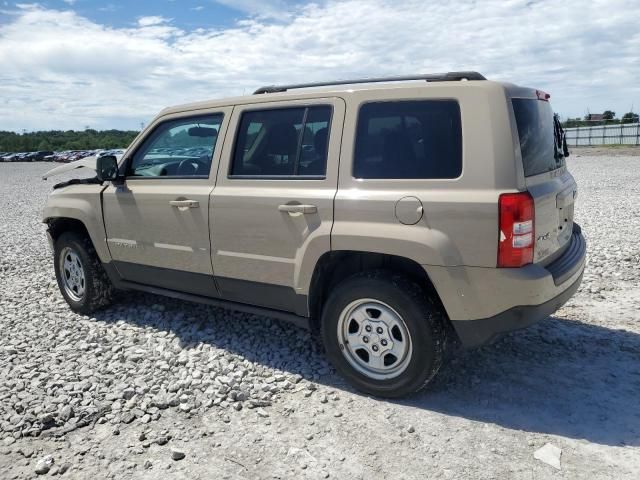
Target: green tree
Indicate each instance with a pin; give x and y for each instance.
(630, 117)
(57, 140)
(44, 145)
(608, 115)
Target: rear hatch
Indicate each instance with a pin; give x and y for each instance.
(543, 151)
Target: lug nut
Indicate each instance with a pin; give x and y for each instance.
(368, 328)
(374, 348)
(383, 343)
(365, 339)
(379, 330)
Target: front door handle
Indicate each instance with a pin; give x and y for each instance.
(298, 208)
(185, 203)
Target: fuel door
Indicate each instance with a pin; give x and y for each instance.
(409, 210)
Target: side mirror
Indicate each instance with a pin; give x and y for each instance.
(107, 168)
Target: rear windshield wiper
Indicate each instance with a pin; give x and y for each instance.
(560, 148)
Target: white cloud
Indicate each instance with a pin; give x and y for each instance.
(152, 20)
(70, 72)
(27, 6)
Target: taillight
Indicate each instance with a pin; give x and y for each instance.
(516, 241)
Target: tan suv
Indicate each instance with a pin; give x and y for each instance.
(394, 216)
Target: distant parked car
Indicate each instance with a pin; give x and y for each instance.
(77, 155)
(116, 152)
(17, 157)
(40, 155)
(63, 156)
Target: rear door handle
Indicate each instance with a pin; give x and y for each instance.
(298, 208)
(185, 203)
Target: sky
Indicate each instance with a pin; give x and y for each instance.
(69, 64)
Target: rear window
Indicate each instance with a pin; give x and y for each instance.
(534, 119)
(409, 139)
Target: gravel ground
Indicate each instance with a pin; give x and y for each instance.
(606, 151)
(158, 388)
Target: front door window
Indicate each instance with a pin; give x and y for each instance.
(178, 148)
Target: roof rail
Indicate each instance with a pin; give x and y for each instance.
(429, 77)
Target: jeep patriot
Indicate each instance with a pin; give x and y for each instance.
(395, 217)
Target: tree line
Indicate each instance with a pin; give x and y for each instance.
(608, 117)
(57, 140)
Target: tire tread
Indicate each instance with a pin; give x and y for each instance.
(100, 291)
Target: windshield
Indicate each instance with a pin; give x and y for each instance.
(536, 130)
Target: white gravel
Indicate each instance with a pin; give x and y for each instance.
(154, 387)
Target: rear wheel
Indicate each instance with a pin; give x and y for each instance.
(383, 334)
(81, 278)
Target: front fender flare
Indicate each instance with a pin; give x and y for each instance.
(86, 210)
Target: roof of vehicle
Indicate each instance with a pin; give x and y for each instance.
(346, 87)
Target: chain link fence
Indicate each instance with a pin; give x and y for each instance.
(622, 134)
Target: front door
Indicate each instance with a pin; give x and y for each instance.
(272, 208)
(157, 221)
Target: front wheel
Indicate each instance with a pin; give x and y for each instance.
(81, 278)
(383, 334)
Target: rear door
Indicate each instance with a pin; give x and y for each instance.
(546, 176)
(272, 207)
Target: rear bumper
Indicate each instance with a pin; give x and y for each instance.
(493, 301)
(474, 333)
(571, 260)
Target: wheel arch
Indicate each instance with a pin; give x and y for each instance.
(56, 226)
(59, 225)
(335, 266)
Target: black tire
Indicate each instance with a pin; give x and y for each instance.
(422, 316)
(98, 290)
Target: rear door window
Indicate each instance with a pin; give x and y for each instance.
(419, 139)
(534, 119)
(285, 142)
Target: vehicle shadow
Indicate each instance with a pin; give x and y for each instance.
(559, 377)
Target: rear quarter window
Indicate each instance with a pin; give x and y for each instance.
(417, 139)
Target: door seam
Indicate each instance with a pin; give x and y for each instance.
(211, 199)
